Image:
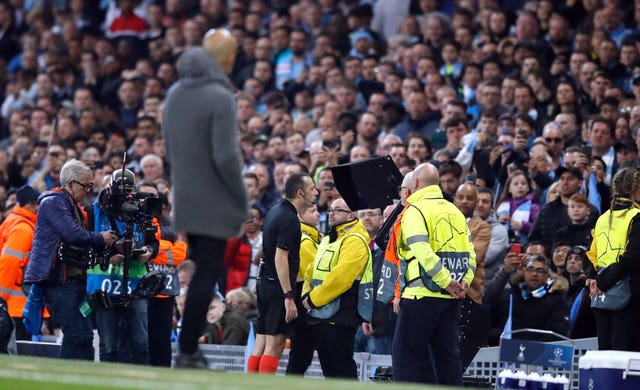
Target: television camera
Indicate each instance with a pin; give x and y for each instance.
(130, 213)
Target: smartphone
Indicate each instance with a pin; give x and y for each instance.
(330, 185)
(516, 249)
(586, 150)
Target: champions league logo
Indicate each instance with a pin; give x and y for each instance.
(557, 353)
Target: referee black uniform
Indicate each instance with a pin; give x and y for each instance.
(281, 229)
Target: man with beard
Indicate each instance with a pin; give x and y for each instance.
(474, 320)
(292, 61)
(367, 130)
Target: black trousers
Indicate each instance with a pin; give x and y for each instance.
(334, 343)
(160, 315)
(208, 254)
(615, 329)
(425, 345)
(301, 352)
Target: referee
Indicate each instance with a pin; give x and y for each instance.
(278, 271)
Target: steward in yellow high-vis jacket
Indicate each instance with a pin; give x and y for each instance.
(437, 266)
(338, 291)
(615, 251)
(300, 332)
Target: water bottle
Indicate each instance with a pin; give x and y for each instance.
(506, 380)
(548, 382)
(534, 381)
(521, 377)
(562, 382)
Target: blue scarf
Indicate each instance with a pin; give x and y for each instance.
(537, 293)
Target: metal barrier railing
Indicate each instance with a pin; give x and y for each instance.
(485, 365)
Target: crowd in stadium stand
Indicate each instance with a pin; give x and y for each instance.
(536, 104)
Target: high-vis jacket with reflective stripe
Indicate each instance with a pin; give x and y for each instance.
(436, 245)
(16, 239)
(341, 269)
(308, 248)
(610, 240)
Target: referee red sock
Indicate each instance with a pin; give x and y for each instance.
(268, 364)
(253, 363)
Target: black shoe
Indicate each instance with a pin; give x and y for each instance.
(194, 360)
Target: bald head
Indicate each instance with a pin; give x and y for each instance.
(222, 46)
(466, 199)
(425, 175)
(341, 213)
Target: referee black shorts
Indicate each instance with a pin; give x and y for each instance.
(271, 312)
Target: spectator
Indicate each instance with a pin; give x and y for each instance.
(499, 236)
(225, 323)
(475, 324)
(578, 233)
(538, 300)
(517, 206)
(242, 253)
(553, 215)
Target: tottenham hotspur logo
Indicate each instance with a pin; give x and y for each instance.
(521, 354)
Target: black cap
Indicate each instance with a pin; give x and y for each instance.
(578, 250)
(26, 194)
(626, 143)
(262, 138)
(574, 171)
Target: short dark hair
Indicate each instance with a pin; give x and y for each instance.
(485, 190)
(294, 183)
(455, 121)
(601, 119)
(451, 167)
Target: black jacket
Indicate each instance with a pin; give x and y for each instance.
(551, 312)
(552, 217)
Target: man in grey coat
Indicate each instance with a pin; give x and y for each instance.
(210, 202)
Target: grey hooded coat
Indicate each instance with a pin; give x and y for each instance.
(200, 130)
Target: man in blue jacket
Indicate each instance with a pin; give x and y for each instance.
(59, 255)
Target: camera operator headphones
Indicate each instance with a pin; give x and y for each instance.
(123, 181)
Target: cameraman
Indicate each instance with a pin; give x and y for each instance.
(60, 222)
(130, 312)
(172, 252)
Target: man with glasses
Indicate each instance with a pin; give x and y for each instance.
(58, 271)
(538, 300)
(335, 291)
(553, 137)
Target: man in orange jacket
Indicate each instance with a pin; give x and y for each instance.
(172, 252)
(16, 238)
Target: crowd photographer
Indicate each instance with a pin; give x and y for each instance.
(61, 253)
(115, 285)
